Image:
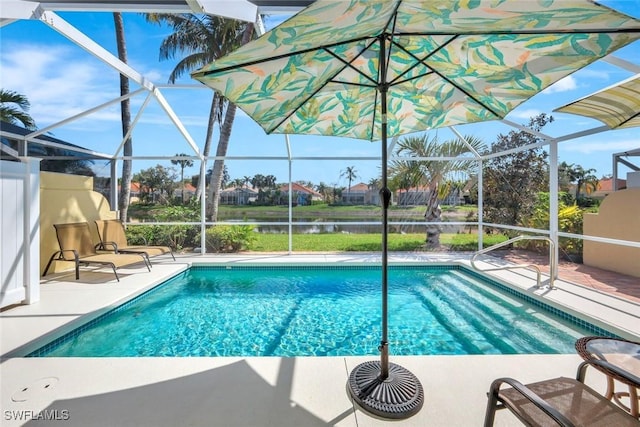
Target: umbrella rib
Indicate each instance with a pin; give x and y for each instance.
(395, 81)
(330, 80)
(520, 32)
(281, 56)
(349, 64)
(471, 97)
(418, 61)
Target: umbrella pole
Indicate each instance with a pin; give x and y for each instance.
(385, 195)
(384, 389)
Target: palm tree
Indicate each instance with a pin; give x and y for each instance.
(237, 183)
(585, 178)
(183, 163)
(204, 39)
(258, 182)
(323, 189)
(432, 173)
(350, 173)
(566, 176)
(18, 113)
(270, 181)
(125, 112)
(374, 184)
(575, 174)
(223, 143)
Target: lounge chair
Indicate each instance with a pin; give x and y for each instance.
(77, 245)
(560, 401)
(113, 237)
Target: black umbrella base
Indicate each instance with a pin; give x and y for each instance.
(398, 396)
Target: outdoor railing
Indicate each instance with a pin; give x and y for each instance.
(552, 263)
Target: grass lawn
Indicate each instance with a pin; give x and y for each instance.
(366, 242)
(148, 212)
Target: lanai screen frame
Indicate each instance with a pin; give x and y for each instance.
(45, 11)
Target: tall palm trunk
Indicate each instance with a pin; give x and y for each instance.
(182, 181)
(213, 196)
(215, 106)
(125, 111)
(433, 214)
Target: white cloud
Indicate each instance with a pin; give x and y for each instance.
(56, 81)
(603, 145)
(595, 74)
(524, 114)
(60, 84)
(563, 85)
(155, 76)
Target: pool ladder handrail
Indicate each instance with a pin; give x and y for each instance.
(552, 263)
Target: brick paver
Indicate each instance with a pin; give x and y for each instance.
(621, 285)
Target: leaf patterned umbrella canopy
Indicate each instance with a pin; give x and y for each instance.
(617, 106)
(444, 62)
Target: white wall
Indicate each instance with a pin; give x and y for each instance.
(633, 180)
(19, 232)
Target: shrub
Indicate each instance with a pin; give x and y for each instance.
(229, 238)
(142, 235)
(176, 236)
(570, 219)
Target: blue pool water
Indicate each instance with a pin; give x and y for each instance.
(323, 311)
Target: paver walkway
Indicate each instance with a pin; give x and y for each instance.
(621, 285)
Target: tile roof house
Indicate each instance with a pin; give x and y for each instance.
(360, 194)
(605, 187)
(302, 196)
(189, 191)
(238, 196)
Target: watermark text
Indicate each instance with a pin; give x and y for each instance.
(44, 415)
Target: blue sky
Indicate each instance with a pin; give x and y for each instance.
(61, 80)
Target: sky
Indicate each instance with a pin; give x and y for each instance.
(61, 80)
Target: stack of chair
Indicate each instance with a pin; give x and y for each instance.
(76, 245)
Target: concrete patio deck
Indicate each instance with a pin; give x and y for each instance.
(257, 391)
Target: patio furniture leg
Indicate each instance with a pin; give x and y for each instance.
(49, 263)
(610, 388)
(633, 396)
(492, 405)
(113, 266)
(77, 267)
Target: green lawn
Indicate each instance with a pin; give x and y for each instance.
(148, 212)
(353, 213)
(365, 242)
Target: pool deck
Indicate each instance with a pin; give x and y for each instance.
(257, 391)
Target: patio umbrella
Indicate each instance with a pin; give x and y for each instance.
(617, 106)
(379, 68)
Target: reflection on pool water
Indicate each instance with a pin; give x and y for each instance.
(324, 311)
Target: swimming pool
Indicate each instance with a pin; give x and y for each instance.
(323, 311)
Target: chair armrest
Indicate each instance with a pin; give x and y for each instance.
(606, 366)
(75, 254)
(531, 397)
(102, 246)
(60, 257)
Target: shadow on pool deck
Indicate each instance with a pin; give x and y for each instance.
(187, 400)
